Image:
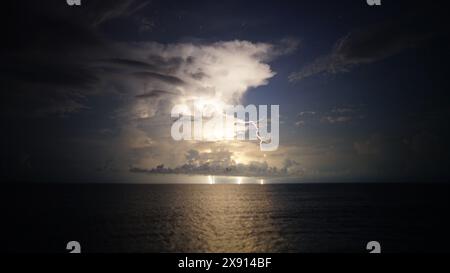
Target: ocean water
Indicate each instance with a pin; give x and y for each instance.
(306, 218)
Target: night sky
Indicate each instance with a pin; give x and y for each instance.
(87, 90)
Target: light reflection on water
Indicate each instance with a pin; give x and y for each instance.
(228, 217)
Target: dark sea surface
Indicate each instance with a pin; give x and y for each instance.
(225, 218)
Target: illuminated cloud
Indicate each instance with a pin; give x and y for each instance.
(154, 77)
(222, 70)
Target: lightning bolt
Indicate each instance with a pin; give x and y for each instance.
(255, 124)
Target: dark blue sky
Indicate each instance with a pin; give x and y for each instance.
(362, 89)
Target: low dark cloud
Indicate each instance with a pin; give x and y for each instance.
(51, 73)
(55, 57)
(221, 162)
(133, 64)
(45, 59)
(146, 75)
(155, 94)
